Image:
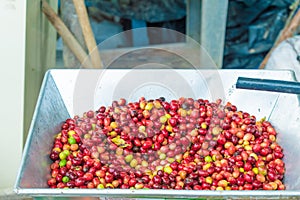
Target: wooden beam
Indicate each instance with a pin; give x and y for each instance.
(66, 35)
(88, 33)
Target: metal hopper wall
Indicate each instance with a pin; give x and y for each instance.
(61, 97)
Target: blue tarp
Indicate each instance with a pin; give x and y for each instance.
(252, 28)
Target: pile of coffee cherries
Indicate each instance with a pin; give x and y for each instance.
(182, 144)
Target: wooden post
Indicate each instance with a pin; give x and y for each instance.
(66, 35)
(69, 17)
(39, 55)
(88, 33)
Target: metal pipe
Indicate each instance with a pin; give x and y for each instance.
(268, 85)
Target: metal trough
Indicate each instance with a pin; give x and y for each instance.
(65, 93)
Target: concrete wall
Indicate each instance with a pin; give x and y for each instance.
(12, 54)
